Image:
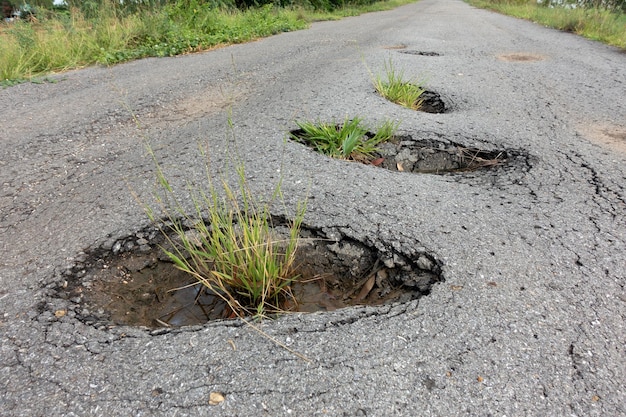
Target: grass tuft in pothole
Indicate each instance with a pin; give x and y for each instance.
(393, 86)
(351, 140)
(227, 243)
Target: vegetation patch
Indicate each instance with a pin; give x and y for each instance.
(108, 32)
(227, 241)
(350, 140)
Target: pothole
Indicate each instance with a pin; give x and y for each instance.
(432, 156)
(402, 49)
(521, 57)
(138, 286)
(433, 103)
(435, 157)
(420, 53)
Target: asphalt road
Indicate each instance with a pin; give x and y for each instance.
(529, 320)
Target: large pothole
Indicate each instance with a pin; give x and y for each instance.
(135, 284)
(433, 156)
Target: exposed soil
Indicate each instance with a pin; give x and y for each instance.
(140, 287)
(613, 137)
(521, 57)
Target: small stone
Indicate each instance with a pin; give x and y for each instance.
(389, 263)
(424, 263)
(117, 247)
(216, 398)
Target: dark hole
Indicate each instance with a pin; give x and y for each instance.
(421, 53)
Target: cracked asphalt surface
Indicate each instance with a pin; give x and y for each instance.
(529, 319)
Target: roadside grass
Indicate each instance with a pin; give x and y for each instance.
(227, 242)
(52, 45)
(394, 87)
(597, 24)
(108, 35)
(350, 140)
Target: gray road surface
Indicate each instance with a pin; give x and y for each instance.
(529, 320)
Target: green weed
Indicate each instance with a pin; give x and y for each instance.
(349, 140)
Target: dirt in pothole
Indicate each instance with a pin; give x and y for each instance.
(141, 287)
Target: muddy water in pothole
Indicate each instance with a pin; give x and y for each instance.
(142, 288)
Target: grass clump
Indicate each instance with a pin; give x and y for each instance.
(350, 140)
(393, 86)
(109, 36)
(228, 244)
